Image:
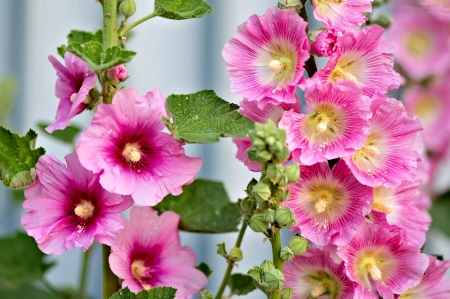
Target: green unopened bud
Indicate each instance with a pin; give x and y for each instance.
(274, 172)
(127, 8)
(283, 181)
(259, 143)
(284, 217)
(269, 215)
(258, 224)
(252, 153)
(292, 172)
(384, 20)
(205, 294)
(287, 293)
(270, 140)
(246, 206)
(282, 155)
(261, 192)
(256, 274)
(376, 3)
(284, 194)
(286, 254)
(236, 254)
(274, 279)
(276, 147)
(264, 156)
(267, 266)
(298, 245)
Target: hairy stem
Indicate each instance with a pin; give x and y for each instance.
(227, 275)
(109, 40)
(128, 28)
(84, 272)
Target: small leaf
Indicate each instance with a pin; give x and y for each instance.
(205, 269)
(221, 250)
(203, 117)
(82, 37)
(67, 135)
(241, 284)
(18, 158)
(182, 9)
(115, 56)
(203, 207)
(154, 293)
(61, 50)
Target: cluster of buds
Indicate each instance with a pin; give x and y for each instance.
(269, 279)
(297, 246)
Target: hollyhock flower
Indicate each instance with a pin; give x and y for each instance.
(328, 205)
(440, 9)
(378, 259)
(365, 58)
(338, 127)
(69, 208)
(342, 15)
(75, 80)
(433, 285)
(392, 148)
(265, 59)
(149, 254)
(324, 44)
(418, 39)
(314, 274)
(126, 145)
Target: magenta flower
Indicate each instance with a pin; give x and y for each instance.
(365, 58)
(433, 285)
(149, 254)
(379, 259)
(328, 205)
(75, 80)
(126, 145)
(325, 43)
(338, 127)
(69, 208)
(314, 274)
(344, 16)
(392, 148)
(265, 59)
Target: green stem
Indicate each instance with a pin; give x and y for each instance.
(275, 240)
(122, 25)
(51, 288)
(128, 28)
(109, 40)
(110, 281)
(227, 275)
(84, 272)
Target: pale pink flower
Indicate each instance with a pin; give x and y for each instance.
(342, 15)
(69, 208)
(392, 148)
(379, 260)
(364, 58)
(314, 274)
(265, 60)
(338, 127)
(328, 205)
(126, 145)
(149, 254)
(325, 43)
(75, 80)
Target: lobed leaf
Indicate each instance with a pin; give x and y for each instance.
(182, 9)
(154, 293)
(241, 284)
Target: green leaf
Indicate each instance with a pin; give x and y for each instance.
(203, 117)
(8, 88)
(61, 50)
(241, 284)
(25, 290)
(82, 37)
(154, 293)
(115, 56)
(440, 212)
(21, 260)
(205, 269)
(67, 135)
(182, 9)
(203, 207)
(18, 158)
(221, 250)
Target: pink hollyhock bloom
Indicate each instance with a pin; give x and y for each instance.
(338, 127)
(433, 285)
(418, 40)
(379, 259)
(75, 80)
(265, 59)
(440, 9)
(149, 254)
(126, 145)
(328, 205)
(365, 58)
(314, 274)
(69, 208)
(325, 43)
(342, 15)
(392, 148)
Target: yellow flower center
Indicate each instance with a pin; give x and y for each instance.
(85, 209)
(371, 266)
(138, 270)
(318, 290)
(132, 153)
(323, 122)
(340, 74)
(323, 202)
(370, 151)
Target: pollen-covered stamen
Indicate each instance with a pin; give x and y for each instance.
(371, 266)
(322, 123)
(376, 205)
(370, 151)
(340, 74)
(276, 66)
(85, 209)
(73, 96)
(323, 202)
(131, 152)
(318, 290)
(138, 270)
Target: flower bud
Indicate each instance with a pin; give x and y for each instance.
(282, 155)
(127, 8)
(298, 245)
(236, 254)
(287, 293)
(252, 153)
(255, 273)
(267, 266)
(261, 192)
(118, 73)
(274, 172)
(292, 4)
(205, 294)
(284, 194)
(292, 172)
(286, 254)
(283, 181)
(284, 217)
(264, 156)
(246, 206)
(274, 279)
(269, 215)
(384, 20)
(258, 224)
(259, 143)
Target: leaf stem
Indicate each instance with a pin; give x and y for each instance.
(110, 281)
(128, 28)
(84, 272)
(227, 275)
